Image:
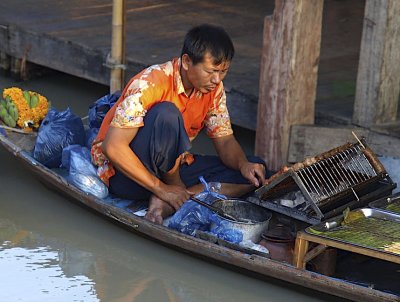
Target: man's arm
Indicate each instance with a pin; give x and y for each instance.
(116, 147)
(232, 155)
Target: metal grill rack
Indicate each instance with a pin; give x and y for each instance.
(342, 177)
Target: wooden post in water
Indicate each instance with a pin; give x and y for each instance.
(117, 59)
(288, 76)
(378, 78)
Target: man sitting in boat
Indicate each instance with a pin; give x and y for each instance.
(141, 148)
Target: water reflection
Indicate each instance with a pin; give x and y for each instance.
(51, 270)
(54, 271)
(43, 276)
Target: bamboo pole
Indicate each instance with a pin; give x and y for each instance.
(17, 130)
(116, 62)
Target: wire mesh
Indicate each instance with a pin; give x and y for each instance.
(337, 173)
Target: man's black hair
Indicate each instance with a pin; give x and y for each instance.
(208, 38)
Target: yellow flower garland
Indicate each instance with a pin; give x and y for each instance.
(27, 117)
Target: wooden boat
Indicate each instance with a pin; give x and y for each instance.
(21, 145)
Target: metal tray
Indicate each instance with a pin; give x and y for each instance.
(377, 239)
(384, 204)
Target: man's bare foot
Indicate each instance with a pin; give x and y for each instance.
(158, 210)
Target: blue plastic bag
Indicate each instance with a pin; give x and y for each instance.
(66, 155)
(82, 172)
(58, 130)
(99, 109)
(193, 216)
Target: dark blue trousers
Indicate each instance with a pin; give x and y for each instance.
(159, 143)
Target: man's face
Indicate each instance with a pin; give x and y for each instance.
(205, 76)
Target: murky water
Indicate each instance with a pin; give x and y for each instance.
(52, 249)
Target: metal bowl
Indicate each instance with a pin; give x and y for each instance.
(256, 218)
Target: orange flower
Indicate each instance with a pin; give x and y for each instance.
(27, 117)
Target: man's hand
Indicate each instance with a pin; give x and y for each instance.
(233, 157)
(254, 172)
(174, 195)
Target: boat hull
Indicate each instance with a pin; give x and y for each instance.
(250, 263)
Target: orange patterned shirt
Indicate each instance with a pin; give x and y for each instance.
(163, 83)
